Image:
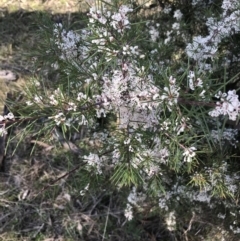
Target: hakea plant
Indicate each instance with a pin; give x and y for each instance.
(165, 123)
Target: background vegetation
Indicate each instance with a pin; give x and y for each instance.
(43, 188)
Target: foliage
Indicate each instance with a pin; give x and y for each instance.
(157, 98)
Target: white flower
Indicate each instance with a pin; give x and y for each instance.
(66, 41)
(100, 112)
(154, 33)
(95, 161)
(167, 9)
(53, 101)
(228, 105)
(81, 96)
(84, 121)
(128, 213)
(176, 26)
(222, 216)
(71, 106)
(171, 221)
(38, 99)
(177, 14)
(120, 20)
(202, 94)
(134, 50)
(193, 82)
(29, 103)
(59, 118)
(189, 154)
(96, 15)
(171, 93)
(9, 116)
(127, 141)
(3, 131)
(125, 9)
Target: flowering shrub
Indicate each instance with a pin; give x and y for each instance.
(159, 88)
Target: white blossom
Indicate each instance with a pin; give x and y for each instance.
(178, 15)
(171, 93)
(9, 116)
(193, 81)
(228, 105)
(189, 153)
(59, 118)
(154, 33)
(171, 221)
(95, 161)
(176, 26)
(3, 131)
(120, 20)
(167, 9)
(128, 212)
(97, 15)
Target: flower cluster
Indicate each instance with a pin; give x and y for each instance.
(154, 33)
(228, 105)
(129, 90)
(206, 47)
(97, 15)
(95, 161)
(120, 20)
(171, 93)
(60, 118)
(9, 116)
(123, 92)
(134, 199)
(193, 82)
(3, 130)
(66, 42)
(155, 114)
(189, 154)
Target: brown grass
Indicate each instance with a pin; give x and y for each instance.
(52, 6)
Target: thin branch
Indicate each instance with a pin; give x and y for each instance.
(189, 225)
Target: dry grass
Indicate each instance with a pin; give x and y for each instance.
(52, 6)
(26, 211)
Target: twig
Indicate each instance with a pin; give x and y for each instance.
(190, 225)
(106, 222)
